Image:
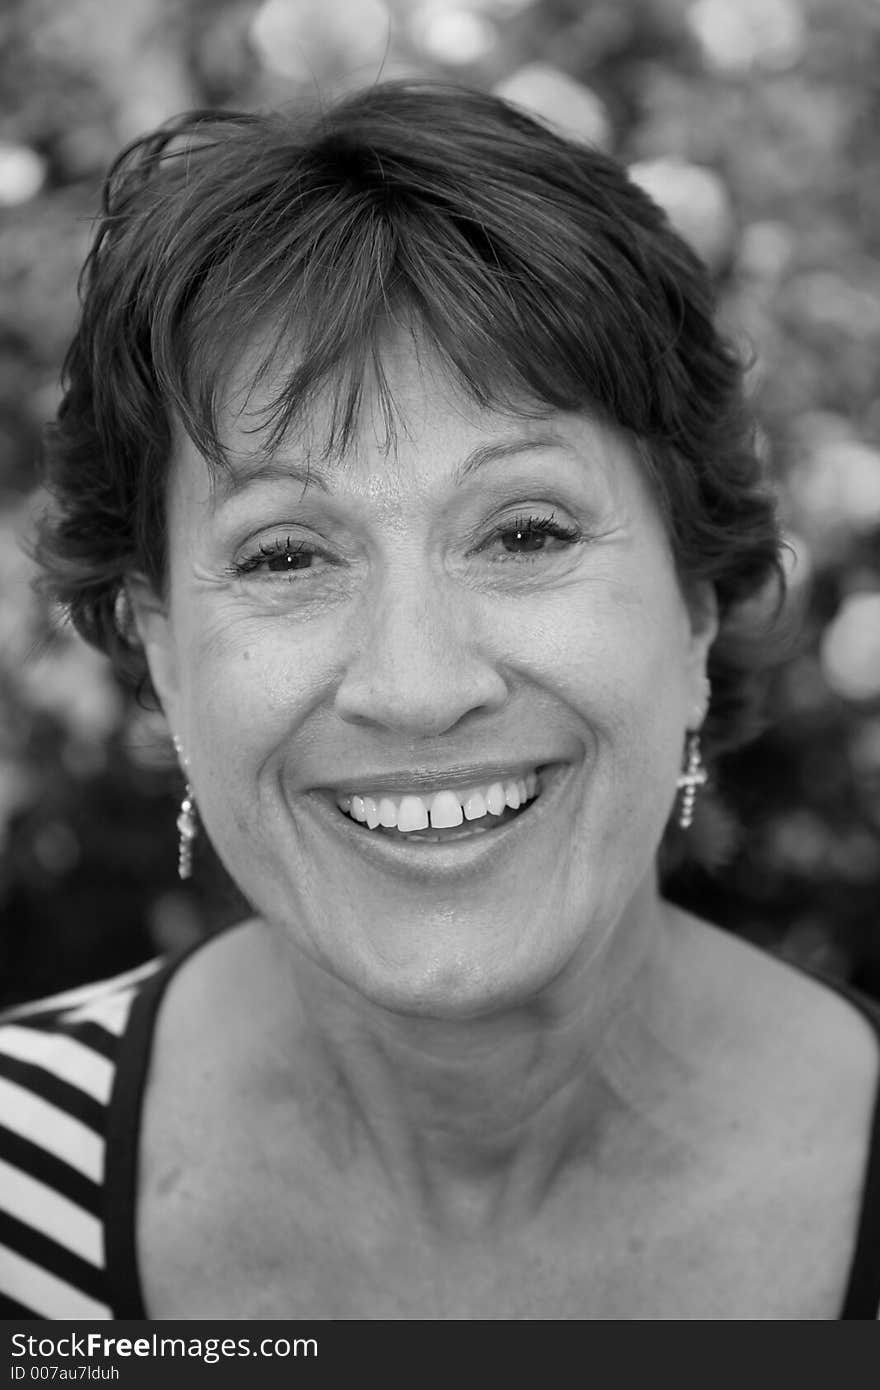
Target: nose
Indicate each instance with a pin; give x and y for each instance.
(418, 665)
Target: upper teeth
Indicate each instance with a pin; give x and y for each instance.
(442, 810)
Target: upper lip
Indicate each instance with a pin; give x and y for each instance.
(434, 779)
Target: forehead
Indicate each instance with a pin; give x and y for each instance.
(403, 392)
(419, 434)
(412, 415)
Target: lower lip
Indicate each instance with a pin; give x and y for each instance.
(453, 854)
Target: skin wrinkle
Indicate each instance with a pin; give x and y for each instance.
(483, 1170)
(283, 469)
(489, 1193)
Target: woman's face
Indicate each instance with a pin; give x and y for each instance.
(485, 614)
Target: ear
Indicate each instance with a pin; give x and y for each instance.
(702, 606)
(151, 620)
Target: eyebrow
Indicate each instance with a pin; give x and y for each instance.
(233, 482)
(505, 448)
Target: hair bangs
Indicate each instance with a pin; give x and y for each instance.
(317, 322)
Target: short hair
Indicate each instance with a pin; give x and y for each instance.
(540, 274)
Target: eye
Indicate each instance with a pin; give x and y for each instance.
(528, 535)
(281, 556)
(289, 558)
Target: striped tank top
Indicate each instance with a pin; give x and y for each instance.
(72, 1075)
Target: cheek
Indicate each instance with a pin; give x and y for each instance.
(612, 652)
(246, 687)
(616, 659)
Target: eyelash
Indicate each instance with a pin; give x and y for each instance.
(256, 560)
(525, 527)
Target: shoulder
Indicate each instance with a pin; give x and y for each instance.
(797, 1060)
(804, 1049)
(58, 1061)
(767, 1011)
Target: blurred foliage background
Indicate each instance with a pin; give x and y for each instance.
(757, 124)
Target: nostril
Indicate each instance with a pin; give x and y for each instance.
(414, 681)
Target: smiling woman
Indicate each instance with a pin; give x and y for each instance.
(400, 452)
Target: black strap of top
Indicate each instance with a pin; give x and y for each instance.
(862, 1297)
(123, 1140)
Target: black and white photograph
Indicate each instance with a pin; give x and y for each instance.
(439, 666)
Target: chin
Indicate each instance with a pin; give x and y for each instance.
(453, 987)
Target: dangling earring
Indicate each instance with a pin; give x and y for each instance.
(694, 776)
(187, 823)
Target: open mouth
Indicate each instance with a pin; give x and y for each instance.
(444, 815)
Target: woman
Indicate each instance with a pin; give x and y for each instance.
(400, 451)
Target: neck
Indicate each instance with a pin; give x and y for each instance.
(478, 1121)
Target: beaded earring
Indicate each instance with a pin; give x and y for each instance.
(187, 823)
(693, 776)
